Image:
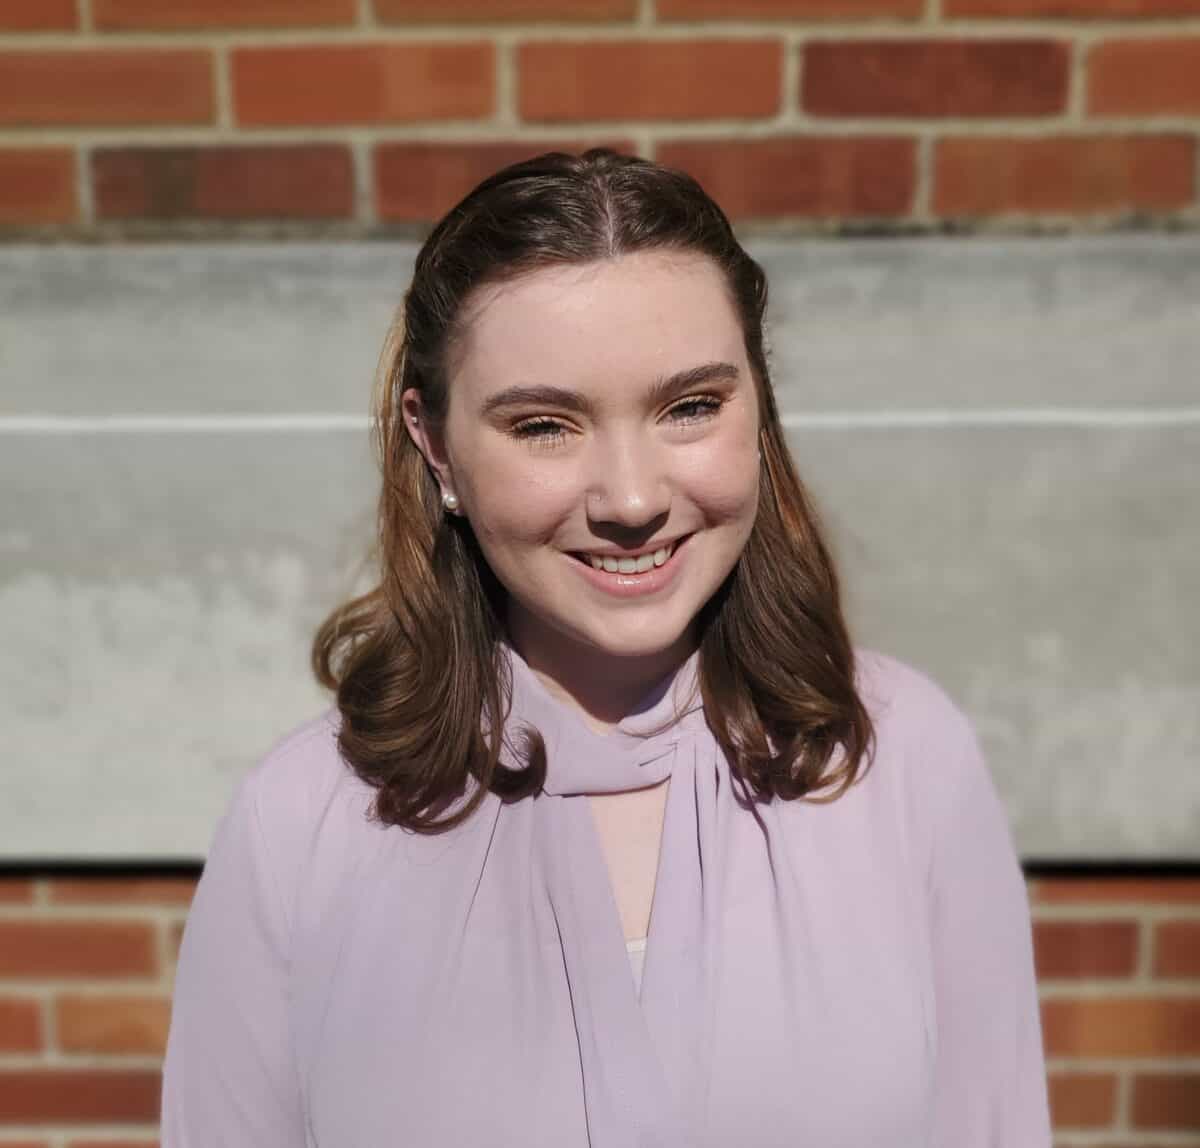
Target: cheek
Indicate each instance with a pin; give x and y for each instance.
(511, 510)
(726, 495)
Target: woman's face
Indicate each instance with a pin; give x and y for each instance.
(606, 409)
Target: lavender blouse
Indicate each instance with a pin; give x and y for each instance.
(857, 974)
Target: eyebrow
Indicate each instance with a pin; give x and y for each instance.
(662, 390)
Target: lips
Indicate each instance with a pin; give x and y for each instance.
(622, 585)
(586, 558)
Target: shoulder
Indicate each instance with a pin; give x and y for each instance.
(297, 776)
(904, 700)
(927, 746)
(278, 805)
(923, 737)
(301, 762)
(281, 797)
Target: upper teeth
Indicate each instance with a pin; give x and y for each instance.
(633, 565)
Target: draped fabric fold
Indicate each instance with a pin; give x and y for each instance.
(645, 1061)
(854, 974)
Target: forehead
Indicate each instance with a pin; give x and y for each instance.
(602, 324)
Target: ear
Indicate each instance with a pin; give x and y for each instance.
(430, 442)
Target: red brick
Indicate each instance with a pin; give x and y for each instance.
(19, 890)
(935, 78)
(1145, 77)
(403, 11)
(27, 1144)
(109, 1144)
(1085, 949)
(422, 181)
(643, 80)
(110, 86)
(20, 1025)
(36, 186)
(37, 15)
(801, 175)
(1082, 1100)
(363, 83)
(1177, 949)
(1065, 174)
(1122, 1026)
(1167, 1101)
(113, 1023)
(79, 1095)
(77, 948)
(112, 14)
(789, 9)
(124, 890)
(303, 181)
(1114, 890)
(1069, 9)
(1141, 1143)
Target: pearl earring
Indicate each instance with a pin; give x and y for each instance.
(450, 501)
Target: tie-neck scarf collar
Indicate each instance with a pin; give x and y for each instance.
(634, 754)
(646, 1061)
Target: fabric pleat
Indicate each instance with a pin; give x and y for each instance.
(645, 1059)
(850, 974)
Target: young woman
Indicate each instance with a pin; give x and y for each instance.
(603, 695)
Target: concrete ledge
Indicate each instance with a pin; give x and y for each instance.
(1003, 434)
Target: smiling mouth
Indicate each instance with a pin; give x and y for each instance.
(633, 563)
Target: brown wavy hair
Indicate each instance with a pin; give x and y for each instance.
(416, 663)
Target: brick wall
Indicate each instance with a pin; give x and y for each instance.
(86, 968)
(124, 118)
(356, 116)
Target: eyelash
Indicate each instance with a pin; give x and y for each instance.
(531, 431)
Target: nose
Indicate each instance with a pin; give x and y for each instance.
(628, 486)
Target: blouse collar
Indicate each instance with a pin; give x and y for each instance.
(632, 755)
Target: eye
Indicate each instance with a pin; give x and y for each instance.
(696, 409)
(545, 432)
(539, 431)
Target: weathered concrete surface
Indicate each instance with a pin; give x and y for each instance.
(1049, 579)
(978, 323)
(171, 330)
(159, 585)
(158, 596)
(856, 324)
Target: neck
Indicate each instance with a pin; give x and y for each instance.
(602, 686)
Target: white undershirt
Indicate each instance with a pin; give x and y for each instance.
(637, 956)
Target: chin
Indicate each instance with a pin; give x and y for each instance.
(635, 638)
